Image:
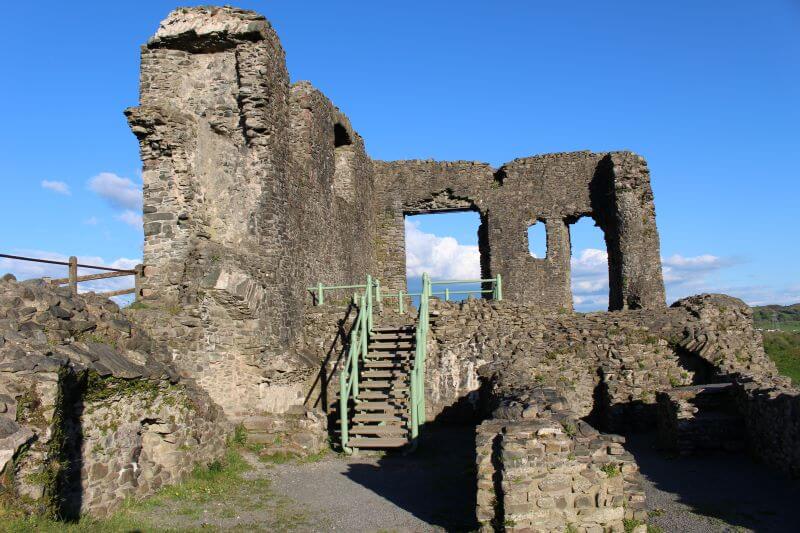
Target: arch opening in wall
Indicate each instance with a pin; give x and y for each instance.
(341, 137)
(588, 265)
(343, 160)
(537, 239)
(448, 245)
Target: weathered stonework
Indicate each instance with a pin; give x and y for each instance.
(255, 189)
(92, 411)
(248, 198)
(554, 189)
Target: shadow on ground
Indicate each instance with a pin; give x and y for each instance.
(436, 483)
(715, 492)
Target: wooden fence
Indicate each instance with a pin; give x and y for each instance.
(73, 278)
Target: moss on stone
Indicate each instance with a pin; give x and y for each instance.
(100, 388)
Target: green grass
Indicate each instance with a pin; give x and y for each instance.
(610, 470)
(206, 484)
(784, 348)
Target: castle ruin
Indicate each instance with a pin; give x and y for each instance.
(256, 188)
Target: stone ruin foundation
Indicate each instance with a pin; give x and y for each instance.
(256, 188)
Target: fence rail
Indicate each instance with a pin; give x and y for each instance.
(496, 283)
(73, 278)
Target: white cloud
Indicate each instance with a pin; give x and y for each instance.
(446, 258)
(132, 218)
(56, 186)
(91, 221)
(441, 257)
(590, 280)
(27, 270)
(679, 269)
(120, 192)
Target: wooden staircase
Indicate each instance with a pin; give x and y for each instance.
(379, 417)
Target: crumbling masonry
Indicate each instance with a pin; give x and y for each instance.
(256, 188)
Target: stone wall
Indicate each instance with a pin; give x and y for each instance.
(549, 475)
(92, 411)
(555, 190)
(539, 381)
(254, 189)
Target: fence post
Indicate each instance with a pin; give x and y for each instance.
(73, 274)
(400, 299)
(137, 281)
(446, 294)
(378, 291)
(320, 294)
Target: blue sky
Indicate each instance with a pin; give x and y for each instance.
(706, 91)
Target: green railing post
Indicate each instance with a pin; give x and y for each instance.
(354, 357)
(364, 331)
(446, 294)
(498, 288)
(320, 294)
(343, 411)
(400, 300)
(369, 302)
(378, 291)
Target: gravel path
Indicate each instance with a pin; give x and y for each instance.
(715, 493)
(431, 490)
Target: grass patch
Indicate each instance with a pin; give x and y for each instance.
(784, 348)
(610, 470)
(213, 482)
(277, 458)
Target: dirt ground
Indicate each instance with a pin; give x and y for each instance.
(433, 489)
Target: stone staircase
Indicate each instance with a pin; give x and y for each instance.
(379, 418)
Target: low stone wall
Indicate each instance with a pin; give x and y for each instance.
(772, 423)
(552, 472)
(513, 366)
(300, 433)
(700, 417)
(92, 411)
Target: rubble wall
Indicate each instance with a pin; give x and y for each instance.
(92, 410)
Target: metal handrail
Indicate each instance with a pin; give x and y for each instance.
(417, 406)
(357, 351)
(364, 325)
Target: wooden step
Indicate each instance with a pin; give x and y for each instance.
(399, 374)
(378, 417)
(398, 354)
(384, 394)
(393, 384)
(394, 329)
(392, 337)
(381, 442)
(384, 345)
(388, 365)
(397, 431)
(392, 407)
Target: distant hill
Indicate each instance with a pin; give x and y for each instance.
(782, 317)
(782, 346)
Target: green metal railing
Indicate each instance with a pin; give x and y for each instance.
(363, 326)
(496, 290)
(417, 406)
(356, 353)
